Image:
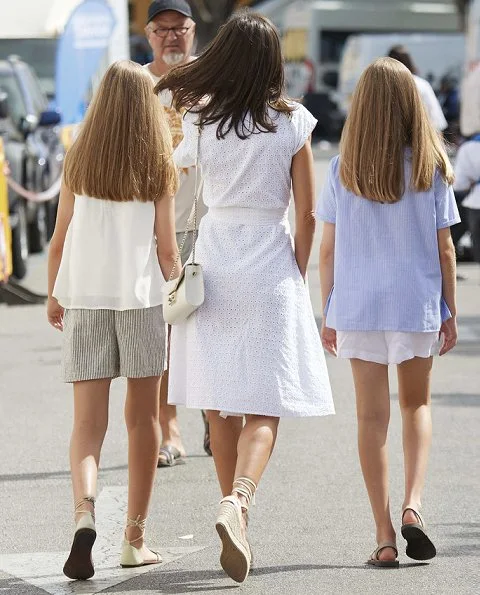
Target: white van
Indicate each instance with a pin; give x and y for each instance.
(434, 55)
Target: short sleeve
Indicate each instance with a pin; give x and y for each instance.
(185, 155)
(463, 169)
(327, 203)
(446, 210)
(304, 124)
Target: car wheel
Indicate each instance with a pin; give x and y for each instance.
(37, 237)
(20, 243)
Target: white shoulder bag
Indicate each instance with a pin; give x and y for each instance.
(183, 295)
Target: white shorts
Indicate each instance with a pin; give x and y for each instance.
(386, 347)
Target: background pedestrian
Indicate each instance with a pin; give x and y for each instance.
(170, 31)
(467, 185)
(429, 99)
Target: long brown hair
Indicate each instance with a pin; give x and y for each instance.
(386, 117)
(124, 149)
(239, 76)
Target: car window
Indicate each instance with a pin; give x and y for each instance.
(16, 104)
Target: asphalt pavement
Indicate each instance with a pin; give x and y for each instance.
(311, 528)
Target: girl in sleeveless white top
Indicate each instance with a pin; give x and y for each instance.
(113, 245)
(253, 347)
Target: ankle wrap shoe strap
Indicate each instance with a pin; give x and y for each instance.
(80, 506)
(140, 524)
(245, 487)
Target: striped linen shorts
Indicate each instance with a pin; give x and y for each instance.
(112, 343)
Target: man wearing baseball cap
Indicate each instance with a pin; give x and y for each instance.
(170, 32)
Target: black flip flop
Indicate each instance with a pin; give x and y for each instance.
(169, 456)
(419, 545)
(374, 558)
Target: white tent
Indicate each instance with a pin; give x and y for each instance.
(37, 19)
(34, 18)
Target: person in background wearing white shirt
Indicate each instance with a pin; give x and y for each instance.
(467, 180)
(430, 101)
(470, 102)
(170, 32)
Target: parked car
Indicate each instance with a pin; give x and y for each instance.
(5, 232)
(31, 135)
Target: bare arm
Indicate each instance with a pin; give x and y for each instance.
(327, 250)
(446, 251)
(303, 183)
(167, 249)
(55, 252)
(327, 259)
(64, 216)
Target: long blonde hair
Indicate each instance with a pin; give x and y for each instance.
(387, 116)
(124, 149)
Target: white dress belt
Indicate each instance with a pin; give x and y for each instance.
(248, 215)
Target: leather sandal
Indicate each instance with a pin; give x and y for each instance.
(131, 556)
(169, 456)
(236, 556)
(79, 565)
(374, 559)
(419, 545)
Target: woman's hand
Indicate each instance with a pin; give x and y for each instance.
(329, 339)
(55, 313)
(450, 334)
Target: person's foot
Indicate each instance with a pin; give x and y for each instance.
(419, 544)
(134, 551)
(171, 435)
(235, 557)
(409, 517)
(169, 456)
(387, 554)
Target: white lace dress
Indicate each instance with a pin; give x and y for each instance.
(253, 347)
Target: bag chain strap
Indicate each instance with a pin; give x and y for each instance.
(193, 212)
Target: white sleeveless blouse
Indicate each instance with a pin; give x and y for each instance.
(110, 258)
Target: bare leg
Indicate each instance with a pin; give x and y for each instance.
(224, 435)
(141, 416)
(255, 446)
(414, 395)
(373, 415)
(89, 428)
(168, 416)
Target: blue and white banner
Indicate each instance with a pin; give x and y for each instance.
(79, 54)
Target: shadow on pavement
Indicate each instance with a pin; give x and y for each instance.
(53, 474)
(203, 581)
(15, 586)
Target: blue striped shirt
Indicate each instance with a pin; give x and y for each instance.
(387, 274)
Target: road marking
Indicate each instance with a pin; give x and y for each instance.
(44, 569)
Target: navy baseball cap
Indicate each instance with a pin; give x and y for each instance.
(158, 6)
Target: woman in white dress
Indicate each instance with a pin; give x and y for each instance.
(252, 349)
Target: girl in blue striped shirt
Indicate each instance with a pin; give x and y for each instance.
(387, 266)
